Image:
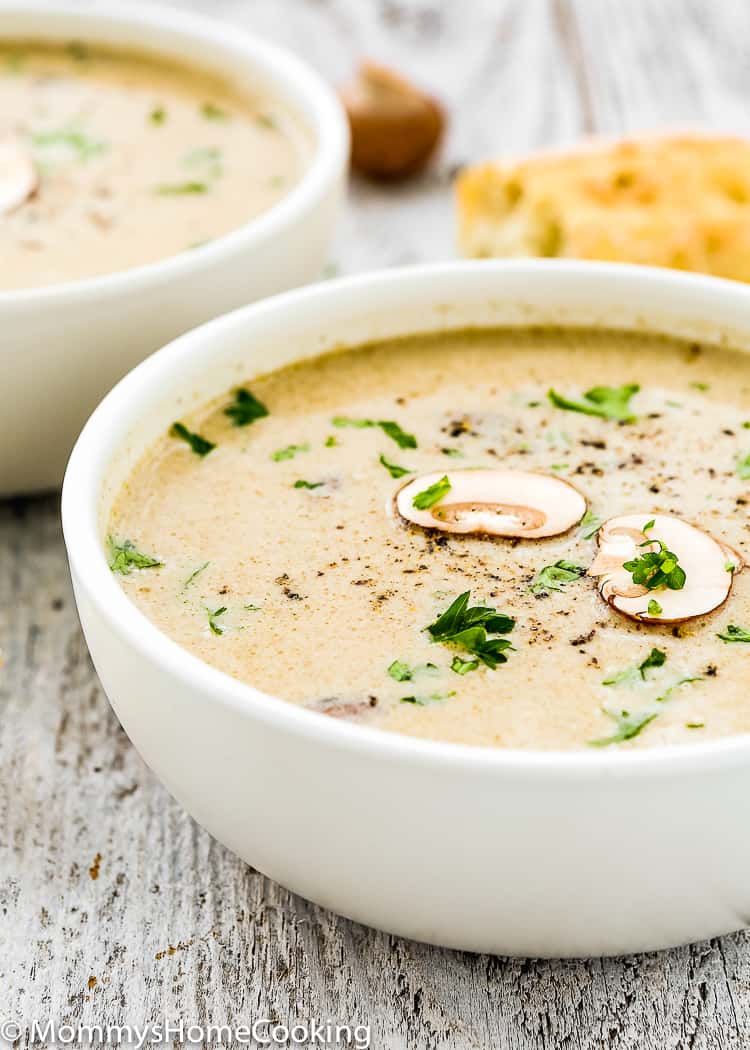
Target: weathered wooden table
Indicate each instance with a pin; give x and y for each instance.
(114, 906)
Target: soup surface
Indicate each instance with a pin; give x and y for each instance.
(283, 563)
(136, 159)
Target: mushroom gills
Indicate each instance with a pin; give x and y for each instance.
(709, 565)
(509, 503)
(18, 175)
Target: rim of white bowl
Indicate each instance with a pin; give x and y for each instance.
(315, 100)
(115, 415)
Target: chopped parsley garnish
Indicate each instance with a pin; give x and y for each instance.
(590, 525)
(181, 189)
(742, 469)
(245, 408)
(461, 666)
(695, 725)
(607, 402)
(656, 658)
(266, 121)
(656, 568)
(454, 453)
(421, 701)
(207, 160)
(289, 452)
(654, 609)
(734, 633)
(211, 111)
(391, 429)
(402, 672)
(201, 446)
(394, 470)
(554, 577)
(158, 116)
(467, 627)
(212, 618)
(301, 484)
(330, 441)
(71, 139)
(123, 557)
(432, 495)
(628, 726)
(193, 575)
(703, 387)
(395, 433)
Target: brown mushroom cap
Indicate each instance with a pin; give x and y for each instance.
(18, 176)
(704, 560)
(511, 503)
(395, 127)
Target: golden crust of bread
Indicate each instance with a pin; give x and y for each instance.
(681, 201)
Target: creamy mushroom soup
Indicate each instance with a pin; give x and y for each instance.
(112, 159)
(511, 538)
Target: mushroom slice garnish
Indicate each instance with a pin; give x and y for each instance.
(511, 503)
(18, 176)
(709, 566)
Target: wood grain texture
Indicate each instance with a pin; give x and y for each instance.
(114, 906)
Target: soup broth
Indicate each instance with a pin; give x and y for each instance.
(283, 561)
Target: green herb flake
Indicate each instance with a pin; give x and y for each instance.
(461, 666)
(402, 672)
(607, 402)
(245, 408)
(654, 609)
(215, 627)
(124, 557)
(554, 577)
(422, 701)
(394, 470)
(656, 658)
(289, 452)
(193, 575)
(454, 453)
(181, 189)
(201, 446)
(433, 494)
(467, 628)
(205, 161)
(628, 727)
(695, 725)
(733, 633)
(266, 121)
(742, 467)
(210, 111)
(330, 441)
(702, 387)
(391, 429)
(590, 525)
(158, 116)
(78, 142)
(656, 569)
(301, 484)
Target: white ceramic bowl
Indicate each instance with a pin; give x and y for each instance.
(63, 346)
(530, 853)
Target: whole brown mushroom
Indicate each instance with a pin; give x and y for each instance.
(395, 127)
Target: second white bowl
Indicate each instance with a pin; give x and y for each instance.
(63, 346)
